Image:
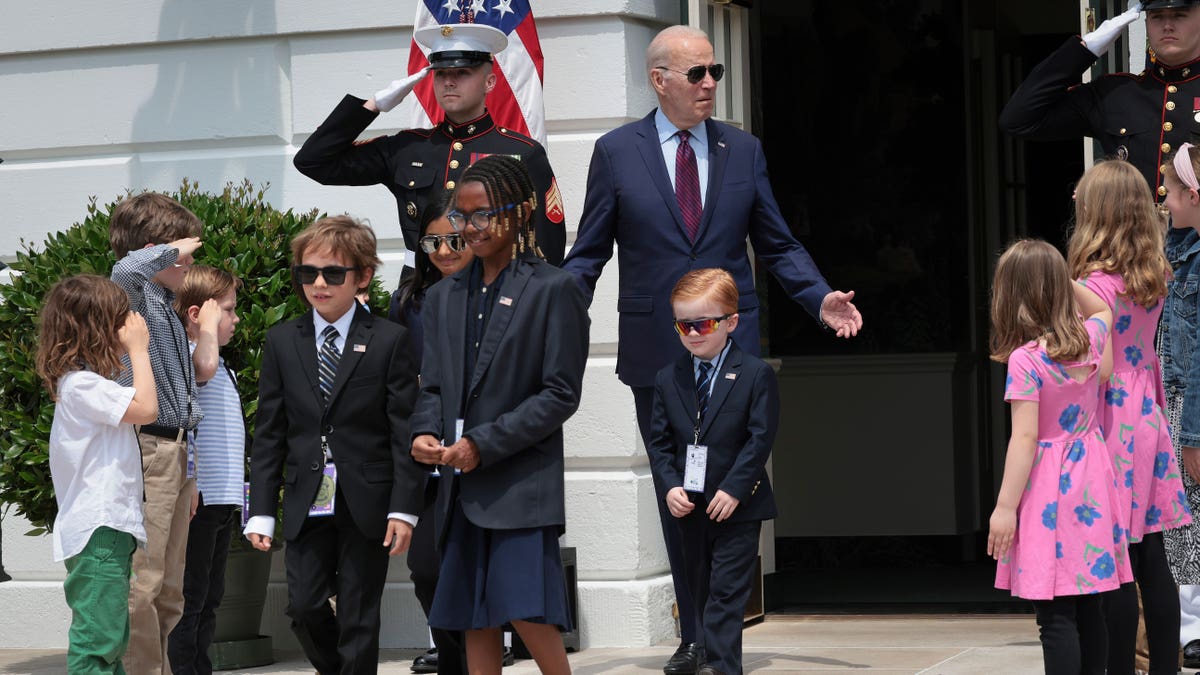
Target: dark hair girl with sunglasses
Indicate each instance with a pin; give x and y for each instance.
(441, 252)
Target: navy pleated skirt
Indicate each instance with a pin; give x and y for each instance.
(491, 577)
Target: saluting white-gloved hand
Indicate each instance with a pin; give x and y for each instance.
(390, 96)
(1099, 40)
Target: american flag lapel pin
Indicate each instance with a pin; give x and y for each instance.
(731, 376)
(506, 301)
(360, 348)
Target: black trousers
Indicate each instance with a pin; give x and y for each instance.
(331, 556)
(720, 560)
(689, 620)
(1160, 606)
(424, 562)
(203, 587)
(1074, 638)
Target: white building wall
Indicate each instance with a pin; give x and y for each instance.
(139, 94)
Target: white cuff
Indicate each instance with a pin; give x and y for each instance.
(264, 525)
(406, 517)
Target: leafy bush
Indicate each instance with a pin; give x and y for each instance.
(242, 233)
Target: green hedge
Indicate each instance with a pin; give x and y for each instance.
(242, 233)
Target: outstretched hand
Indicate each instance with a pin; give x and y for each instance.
(1099, 40)
(840, 314)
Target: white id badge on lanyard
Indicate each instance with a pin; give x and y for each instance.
(694, 468)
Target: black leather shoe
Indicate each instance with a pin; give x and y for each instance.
(426, 663)
(708, 670)
(509, 658)
(1191, 654)
(686, 660)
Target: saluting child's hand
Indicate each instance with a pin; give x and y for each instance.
(209, 317)
(678, 503)
(1002, 530)
(722, 506)
(133, 335)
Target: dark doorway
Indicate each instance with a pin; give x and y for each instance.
(879, 125)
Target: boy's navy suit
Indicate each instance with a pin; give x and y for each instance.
(366, 424)
(739, 431)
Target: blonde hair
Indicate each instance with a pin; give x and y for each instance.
(1118, 230)
(713, 283)
(200, 284)
(79, 328)
(1033, 298)
(340, 235)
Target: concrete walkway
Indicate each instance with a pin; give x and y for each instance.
(944, 645)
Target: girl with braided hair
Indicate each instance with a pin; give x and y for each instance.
(506, 343)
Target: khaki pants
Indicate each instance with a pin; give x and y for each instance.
(156, 590)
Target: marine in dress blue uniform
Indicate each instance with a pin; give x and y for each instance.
(1140, 117)
(416, 165)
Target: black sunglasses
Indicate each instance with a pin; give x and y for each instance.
(432, 242)
(696, 73)
(335, 275)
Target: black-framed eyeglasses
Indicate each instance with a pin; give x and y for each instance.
(479, 220)
(701, 326)
(335, 275)
(430, 243)
(696, 73)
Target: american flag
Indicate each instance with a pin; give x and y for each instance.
(516, 102)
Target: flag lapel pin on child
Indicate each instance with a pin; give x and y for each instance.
(506, 301)
(360, 348)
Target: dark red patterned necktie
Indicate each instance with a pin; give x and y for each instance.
(687, 185)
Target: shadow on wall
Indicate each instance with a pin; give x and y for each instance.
(217, 111)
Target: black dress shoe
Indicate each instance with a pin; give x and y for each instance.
(686, 660)
(426, 663)
(1191, 654)
(708, 670)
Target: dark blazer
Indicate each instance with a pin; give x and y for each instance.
(366, 423)
(526, 384)
(739, 430)
(631, 201)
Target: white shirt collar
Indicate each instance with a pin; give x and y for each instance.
(667, 130)
(342, 324)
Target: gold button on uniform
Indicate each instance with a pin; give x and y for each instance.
(1170, 105)
(1122, 131)
(457, 145)
(1172, 89)
(449, 185)
(454, 162)
(1167, 126)
(1166, 147)
(1162, 190)
(412, 183)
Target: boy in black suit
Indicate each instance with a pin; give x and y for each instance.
(714, 419)
(335, 393)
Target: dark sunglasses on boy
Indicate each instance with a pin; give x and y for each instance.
(432, 242)
(335, 275)
(696, 73)
(701, 326)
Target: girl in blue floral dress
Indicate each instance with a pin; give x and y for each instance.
(1116, 250)
(1056, 531)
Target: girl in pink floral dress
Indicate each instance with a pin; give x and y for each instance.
(1117, 251)
(1056, 530)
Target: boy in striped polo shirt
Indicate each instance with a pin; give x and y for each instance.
(206, 303)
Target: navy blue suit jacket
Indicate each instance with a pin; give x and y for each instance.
(631, 202)
(527, 382)
(739, 430)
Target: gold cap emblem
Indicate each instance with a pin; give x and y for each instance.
(447, 31)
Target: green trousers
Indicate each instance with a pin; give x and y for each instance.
(97, 590)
